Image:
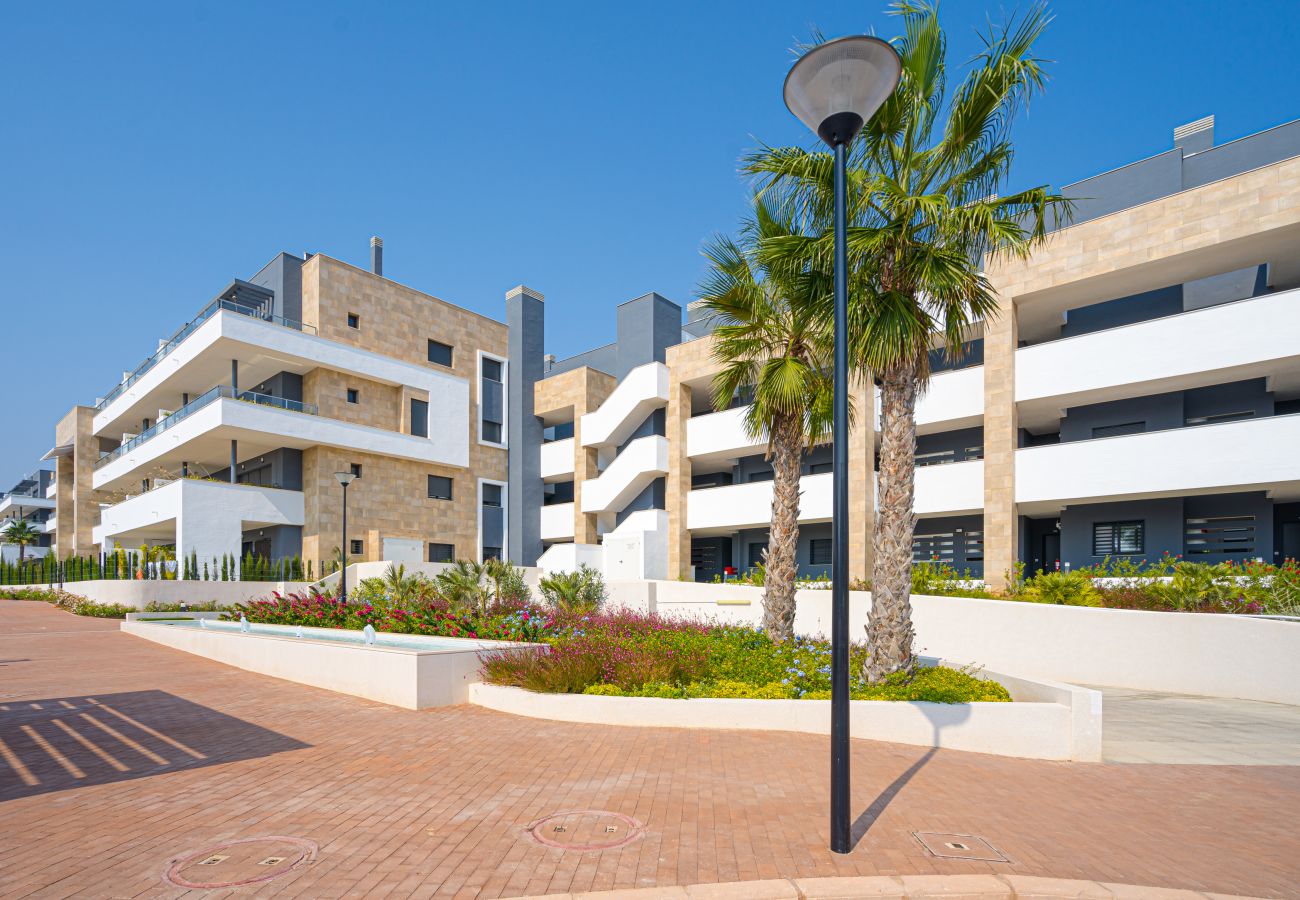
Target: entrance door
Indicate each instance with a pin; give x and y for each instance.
(1291, 540)
(1051, 550)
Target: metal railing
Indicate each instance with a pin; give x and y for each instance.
(221, 390)
(189, 328)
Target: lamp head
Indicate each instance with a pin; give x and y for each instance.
(836, 87)
(345, 478)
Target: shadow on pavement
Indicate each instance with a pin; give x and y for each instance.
(69, 742)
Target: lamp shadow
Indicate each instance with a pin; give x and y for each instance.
(69, 742)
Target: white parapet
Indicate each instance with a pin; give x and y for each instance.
(722, 435)
(557, 460)
(952, 399)
(1255, 454)
(1232, 341)
(951, 489)
(644, 390)
(557, 522)
(750, 505)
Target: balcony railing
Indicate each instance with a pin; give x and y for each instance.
(221, 390)
(189, 328)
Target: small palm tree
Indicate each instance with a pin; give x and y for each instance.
(924, 213)
(22, 533)
(768, 339)
(579, 592)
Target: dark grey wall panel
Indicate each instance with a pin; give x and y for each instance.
(526, 320)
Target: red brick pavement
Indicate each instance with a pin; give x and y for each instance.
(176, 754)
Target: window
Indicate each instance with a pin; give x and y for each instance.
(1221, 536)
(1118, 538)
(442, 553)
(356, 470)
(1222, 417)
(820, 468)
(934, 547)
(760, 475)
(354, 395)
(440, 353)
(354, 320)
(357, 548)
(491, 399)
(420, 418)
(439, 487)
(1102, 431)
(491, 553)
(819, 552)
(757, 552)
(492, 495)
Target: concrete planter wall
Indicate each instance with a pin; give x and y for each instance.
(140, 594)
(1047, 721)
(413, 679)
(1190, 653)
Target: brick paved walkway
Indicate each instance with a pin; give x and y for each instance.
(120, 755)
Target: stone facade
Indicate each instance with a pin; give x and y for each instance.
(76, 504)
(390, 500)
(567, 398)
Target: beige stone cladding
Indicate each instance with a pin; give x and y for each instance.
(391, 499)
(1229, 224)
(568, 397)
(76, 504)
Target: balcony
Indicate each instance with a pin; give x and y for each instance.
(953, 399)
(21, 504)
(185, 331)
(1253, 454)
(1230, 342)
(749, 505)
(557, 522)
(951, 489)
(201, 358)
(201, 432)
(557, 460)
(206, 518)
(640, 463)
(720, 436)
(644, 390)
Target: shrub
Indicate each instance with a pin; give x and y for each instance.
(939, 579)
(579, 592)
(72, 603)
(1061, 588)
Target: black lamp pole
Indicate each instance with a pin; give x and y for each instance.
(834, 89)
(344, 478)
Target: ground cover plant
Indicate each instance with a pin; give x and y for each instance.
(69, 602)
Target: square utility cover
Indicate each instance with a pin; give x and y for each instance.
(959, 846)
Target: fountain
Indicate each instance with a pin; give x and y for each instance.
(369, 634)
(298, 633)
(243, 623)
(203, 623)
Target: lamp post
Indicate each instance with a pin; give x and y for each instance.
(344, 478)
(834, 89)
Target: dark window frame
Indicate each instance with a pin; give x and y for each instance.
(419, 422)
(500, 492)
(353, 395)
(826, 546)
(1115, 537)
(440, 346)
(355, 468)
(354, 321)
(449, 548)
(451, 487)
(358, 547)
(1119, 429)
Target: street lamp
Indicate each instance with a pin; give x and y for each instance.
(345, 478)
(834, 89)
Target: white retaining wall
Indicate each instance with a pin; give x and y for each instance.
(140, 594)
(1047, 721)
(1190, 653)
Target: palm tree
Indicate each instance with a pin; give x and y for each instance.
(769, 340)
(925, 212)
(22, 533)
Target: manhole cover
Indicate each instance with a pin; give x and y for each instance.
(235, 863)
(959, 846)
(587, 829)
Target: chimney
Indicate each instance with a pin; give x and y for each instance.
(1195, 136)
(377, 255)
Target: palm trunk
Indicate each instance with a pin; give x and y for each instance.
(783, 541)
(890, 632)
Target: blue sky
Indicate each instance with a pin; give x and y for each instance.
(152, 152)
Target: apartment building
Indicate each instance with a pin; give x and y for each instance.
(1136, 396)
(227, 439)
(30, 500)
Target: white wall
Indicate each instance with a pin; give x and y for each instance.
(557, 521)
(1157, 354)
(1192, 653)
(557, 459)
(644, 389)
(1254, 452)
(950, 489)
(750, 505)
(641, 461)
(140, 594)
(722, 434)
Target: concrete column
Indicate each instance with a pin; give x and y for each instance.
(677, 486)
(234, 376)
(586, 464)
(234, 459)
(526, 319)
(1001, 434)
(862, 494)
